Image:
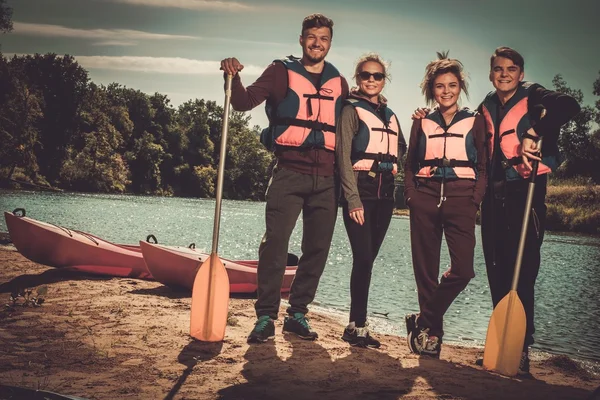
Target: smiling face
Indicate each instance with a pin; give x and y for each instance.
(315, 43)
(371, 80)
(505, 75)
(446, 90)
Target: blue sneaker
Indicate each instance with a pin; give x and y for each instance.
(264, 329)
(298, 324)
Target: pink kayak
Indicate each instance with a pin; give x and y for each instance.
(177, 266)
(60, 247)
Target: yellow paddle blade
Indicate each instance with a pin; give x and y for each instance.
(210, 301)
(505, 336)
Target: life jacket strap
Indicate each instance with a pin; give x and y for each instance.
(319, 126)
(386, 130)
(379, 157)
(447, 134)
(317, 95)
(509, 163)
(444, 162)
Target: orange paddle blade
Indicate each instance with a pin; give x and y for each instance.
(505, 336)
(210, 301)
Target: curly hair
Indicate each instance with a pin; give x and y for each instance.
(374, 57)
(442, 65)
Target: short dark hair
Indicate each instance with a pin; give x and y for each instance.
(317, 21)
(509, 53)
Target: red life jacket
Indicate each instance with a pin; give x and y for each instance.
(376, 139)
(306, 117)
(511, 128)
(448, 153)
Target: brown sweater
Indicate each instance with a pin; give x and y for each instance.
(272, 86)
(454, 188)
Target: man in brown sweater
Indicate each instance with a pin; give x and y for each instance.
(303, 100)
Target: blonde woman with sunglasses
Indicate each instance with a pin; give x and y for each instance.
(369, 143)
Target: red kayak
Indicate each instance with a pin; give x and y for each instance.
(177, 266)
(60, 247)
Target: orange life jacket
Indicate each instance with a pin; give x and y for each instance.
(375, 145)
(511, 129)
(306, 117)
(447, 153)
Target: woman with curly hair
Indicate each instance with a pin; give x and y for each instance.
(445, 178)
(369, 143)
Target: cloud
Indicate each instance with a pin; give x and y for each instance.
(162, 65)
(121, 37)
(189, 4)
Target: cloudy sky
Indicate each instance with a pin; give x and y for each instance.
(174, 46)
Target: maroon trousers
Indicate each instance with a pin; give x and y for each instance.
(455, 218)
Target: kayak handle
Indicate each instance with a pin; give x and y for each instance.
(192, 246)
(19, 210)
(151, 239)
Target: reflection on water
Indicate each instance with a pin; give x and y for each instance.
(567, 298)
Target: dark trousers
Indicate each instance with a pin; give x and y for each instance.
(456, 219)
(365, 241)
(501, 221)
(288, 194)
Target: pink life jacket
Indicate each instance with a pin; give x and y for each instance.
(376, 139)
(448, 153)
(511, 129)
(306, 117)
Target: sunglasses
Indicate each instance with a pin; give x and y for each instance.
(365, 76)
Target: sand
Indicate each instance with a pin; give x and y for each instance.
(116, 338)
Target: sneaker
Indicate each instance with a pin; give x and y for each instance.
(360, 336)
(264, 329)
(298, 324)
(424, 344)
(411, 326)
(364, 338)
(349, 334)
(524, 364)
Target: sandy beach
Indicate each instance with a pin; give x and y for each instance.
(115, 338)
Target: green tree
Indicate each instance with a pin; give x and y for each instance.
(20, 111)
(62, 84)
(248, 162)
(93, 163)
(576, 142)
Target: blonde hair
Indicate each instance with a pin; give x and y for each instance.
(374, 57)
(442, 65)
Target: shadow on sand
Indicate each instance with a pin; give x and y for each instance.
(311, 373)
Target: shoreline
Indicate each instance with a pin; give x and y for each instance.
(105, 338)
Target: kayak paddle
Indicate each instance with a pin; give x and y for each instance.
(210, 293)
(508, 323)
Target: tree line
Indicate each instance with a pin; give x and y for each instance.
(58, 128)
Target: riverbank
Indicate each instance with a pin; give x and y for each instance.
(571, 208)
(107, 338)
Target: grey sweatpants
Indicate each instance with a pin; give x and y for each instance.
(288, 194)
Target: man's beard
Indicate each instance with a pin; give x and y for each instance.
(315, 59)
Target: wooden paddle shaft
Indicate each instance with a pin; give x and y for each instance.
(221, 170)
(528, 202)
